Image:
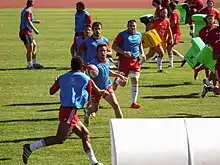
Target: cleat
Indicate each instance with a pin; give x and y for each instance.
(26, 153)
(30, 67)
(169, 66)
(204, 91)
(183, 63)
(160, 71)
(98, 164)
(86, 117)
(38, 66)
(135, 105)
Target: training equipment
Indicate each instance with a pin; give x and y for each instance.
(168, 141)
(199, 20)
(92, 70)
(190, 57)
(147, 18)
(205, 58)
(151, 39)
(183, 9)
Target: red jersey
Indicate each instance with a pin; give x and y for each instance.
(213, 39)
(197, 5)
(213, 11)
(161, 26)
(165, 3)
(158, 11)
(204, 31)
(174, 22)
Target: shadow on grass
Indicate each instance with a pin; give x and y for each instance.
(184, 96)
(4, 159)
(47, 110)
(188, 115)
(28, 120)
(165, 62)
(39, 138)
(45, 68)
(166, 85)
(32, 104)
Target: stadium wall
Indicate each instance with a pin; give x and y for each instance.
(89, 3)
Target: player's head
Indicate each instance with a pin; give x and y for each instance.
(87, 30)
(209, 19)
(97, 28)
(172, 6)
(102, 51)
(164, 13)
(76, 63)
(210, 3)
(30, 3)
(132, 26)
(80, 6)
(156, 3)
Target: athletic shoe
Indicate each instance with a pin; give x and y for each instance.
(204, 91)
(38, 66)
(98, 164)
(26, 153)
(135, 105)
(169, 66)
(160, 71)
(30, 67)
(183, 63)
(86, 117)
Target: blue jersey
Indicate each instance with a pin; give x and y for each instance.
(102, 80)
(25, 13)
(131, 43)
(80, 21)
(73, 89)
(89, 47)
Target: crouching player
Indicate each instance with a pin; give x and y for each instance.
(213, 39)
(75, 88)
(103, 82)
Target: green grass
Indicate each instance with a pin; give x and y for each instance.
(24, 119)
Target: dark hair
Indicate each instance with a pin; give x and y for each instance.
(78, 4)
(172, 5)
(76, 63)
(157, 2)
(29, 3)
(131, 21)
(205, 19)
(210, 1)
(100, 45)
(87, 25)
(94, 24)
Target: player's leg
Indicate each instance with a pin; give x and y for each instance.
(134, 75)
(197, 70)
(112, 100)
(28, 42)
(63, 132)
(80, 130)
(161, 53)
(170, 55)
(36, 65)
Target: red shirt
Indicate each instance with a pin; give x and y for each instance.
(197, 4)
(213, 39)
(165, 3)
(161, 26)
(204, 31)
(213, 11)
(158, 11)
(174, 23)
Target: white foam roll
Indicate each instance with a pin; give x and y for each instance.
(204, 140)
(148, 142)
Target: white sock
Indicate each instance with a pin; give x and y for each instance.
(91, 157)
(29, 64)
(171, 60)
(159, 63)
(134, 93)
(181, 57)
(34, 61)
(36, 145)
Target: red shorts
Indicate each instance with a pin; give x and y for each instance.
(96, 97)
(69, 116)
(125, 65)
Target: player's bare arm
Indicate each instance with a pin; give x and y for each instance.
(33, 27)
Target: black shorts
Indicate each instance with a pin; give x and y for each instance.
(26, 38)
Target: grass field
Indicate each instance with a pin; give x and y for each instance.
(28, 113)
